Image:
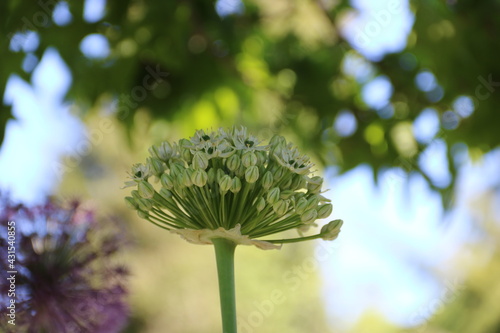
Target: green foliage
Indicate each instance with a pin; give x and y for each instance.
(276, 65)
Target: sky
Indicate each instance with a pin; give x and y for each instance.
(44, 131)
(392, 231)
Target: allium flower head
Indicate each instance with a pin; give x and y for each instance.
(227, 184)
(65, 282)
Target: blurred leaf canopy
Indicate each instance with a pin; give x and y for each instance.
(275, 65)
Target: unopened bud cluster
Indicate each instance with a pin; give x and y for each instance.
(227, 179)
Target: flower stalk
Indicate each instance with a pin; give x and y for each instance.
(224, 255)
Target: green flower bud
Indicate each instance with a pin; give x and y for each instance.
(280, 207)
(240, 172)
(301, 205)
(186, 155)
(185, 150)
(287, 184)
(295, 182)
(179, 182)
(220, 174)
(324, 211)
(225, 183)
(286, 194)
(185, 177)
(181, 192)
(185, 144)
(309, 216)
(167, 181)
(314, 184)
(136, 195)
(199, 177)
(312, 202)
(144, 204)
(211, 175)
(143, 214)
(276, 141)
(304, 228)
(316, 180)
(267, 180)
(163, 152)
(233, 162)
(153, 151)
(146, 190)
(166, 194)
(252, 174)
(200, 161)
(261, 203)
(131, 203)
(273, 195)
(236, 185)
(278, 173)
(176, 169)
(173, 160)
(156, 166)
(261, 157)
(331, 230)
(249, 159)
(298, 182)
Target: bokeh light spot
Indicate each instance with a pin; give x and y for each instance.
(286, 78)
(127, 47)
(95, 46)
(426, 125)
(61, 14)
(386, 112)
(94, 10)
(402, 137)
(358, 67)
(29, 62)
(374, 134)
(229, 7)
(425, 81)
(435, 95)
(408, 61)
(377, 92)
(197, 44)
(450, 120)
(345, 123)
(464, 106)
(27, 41)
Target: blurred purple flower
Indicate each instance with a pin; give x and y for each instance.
(66, 280)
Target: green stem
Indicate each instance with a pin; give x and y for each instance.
(224, 255)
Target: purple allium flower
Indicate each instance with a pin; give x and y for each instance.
(65, 280)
